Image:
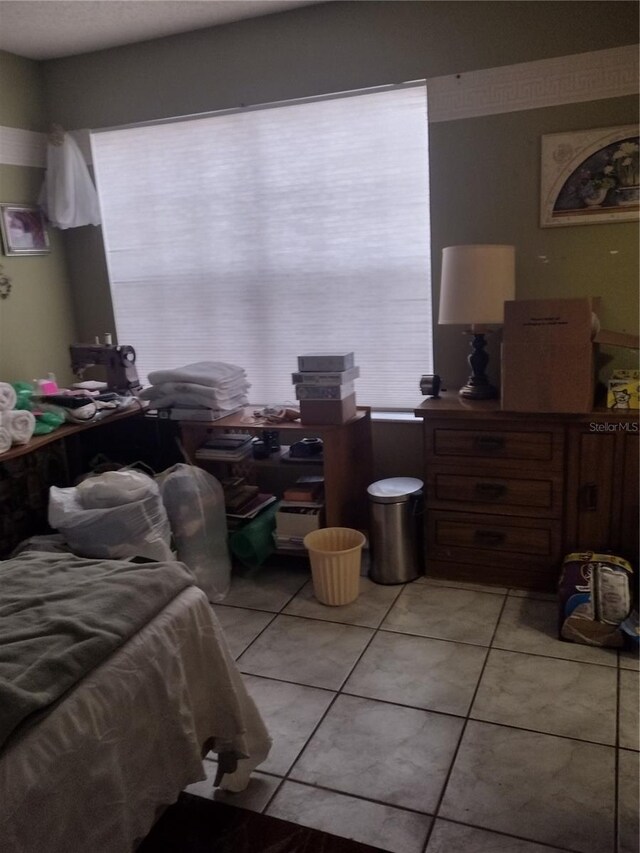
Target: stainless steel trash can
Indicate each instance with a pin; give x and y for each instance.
(395, 511)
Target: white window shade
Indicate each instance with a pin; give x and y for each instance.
(256, 236)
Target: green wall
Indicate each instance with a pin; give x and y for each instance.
(485, 171)
(36, 319)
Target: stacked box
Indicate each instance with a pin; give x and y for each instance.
(624, 390)
(324, 385)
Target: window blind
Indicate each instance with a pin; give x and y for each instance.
(256, 236)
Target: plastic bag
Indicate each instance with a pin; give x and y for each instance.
(113, 488)
(136, 527)
(194, 502)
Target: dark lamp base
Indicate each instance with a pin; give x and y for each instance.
(479, 392)
(478, 386)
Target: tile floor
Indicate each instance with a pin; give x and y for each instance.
(435, 718)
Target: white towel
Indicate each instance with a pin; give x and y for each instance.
(8, 397)
(20, 425)
(5, 439)
(218, 374)
(190, 394)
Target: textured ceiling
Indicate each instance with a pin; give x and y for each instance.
(47, 29)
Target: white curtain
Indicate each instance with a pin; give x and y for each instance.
(255, 236)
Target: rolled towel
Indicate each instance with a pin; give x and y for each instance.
(8, 397)
(5, 439)
(20, 425)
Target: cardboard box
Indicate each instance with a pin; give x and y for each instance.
(328, 411)
(321, 362)
(624, 390)
(324, 392)
(547, 356)
(297, 521)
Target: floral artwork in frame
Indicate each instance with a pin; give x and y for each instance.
(24, 230)
(590, 176)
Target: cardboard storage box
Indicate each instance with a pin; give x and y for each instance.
(328, 411)
(297, 521)
(547, 356)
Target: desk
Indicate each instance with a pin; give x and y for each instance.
(28, 470)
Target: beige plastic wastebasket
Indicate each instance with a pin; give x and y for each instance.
(335, 554)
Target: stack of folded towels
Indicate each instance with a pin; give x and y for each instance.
(16, 426)
(215, 386)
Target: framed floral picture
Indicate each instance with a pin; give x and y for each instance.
(24, 230)
(590, 176)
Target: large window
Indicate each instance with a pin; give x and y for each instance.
(255, 236)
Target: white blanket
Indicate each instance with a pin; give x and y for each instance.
(215, 397)
(214, 373)
(128, 739)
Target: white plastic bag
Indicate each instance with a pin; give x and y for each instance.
(137, 526)
(194, 502)
(115, 488)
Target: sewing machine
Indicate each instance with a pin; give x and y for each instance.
(118, 361)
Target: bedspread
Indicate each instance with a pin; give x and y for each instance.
(61, 616)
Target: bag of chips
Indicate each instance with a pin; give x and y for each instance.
(595, 597)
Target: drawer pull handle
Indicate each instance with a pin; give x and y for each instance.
(490, 491)
(489, 537)
(489, 443)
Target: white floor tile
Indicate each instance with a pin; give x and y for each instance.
(531, 625)
(455, 838)
(380, 826)
(290, 712)
(397, 755)
(241, 626)
(436, 675)
(445, 613)
(306, 651)
(549, 695)
(368, 610)
(543, 788)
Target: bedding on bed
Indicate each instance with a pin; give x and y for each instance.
(61, 616)
(125, 740)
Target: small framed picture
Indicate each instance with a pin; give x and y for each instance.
(24, 230)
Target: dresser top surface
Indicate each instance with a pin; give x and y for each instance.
(451, 405)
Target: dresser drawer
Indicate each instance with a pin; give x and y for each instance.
(470, 537)
(499, 446)
(480, 492)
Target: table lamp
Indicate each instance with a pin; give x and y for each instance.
(476, 281)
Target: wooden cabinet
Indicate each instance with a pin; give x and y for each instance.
(602, 488)
(508, 494)
(346, 465)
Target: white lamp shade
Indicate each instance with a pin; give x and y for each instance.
(475, 283)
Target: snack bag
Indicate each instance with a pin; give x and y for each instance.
(594, 598)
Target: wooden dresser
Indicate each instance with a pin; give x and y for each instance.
(509, 493)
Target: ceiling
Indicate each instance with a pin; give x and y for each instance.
(49, 29)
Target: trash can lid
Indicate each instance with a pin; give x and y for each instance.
(394, 490)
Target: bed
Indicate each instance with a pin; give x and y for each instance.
(90, 756)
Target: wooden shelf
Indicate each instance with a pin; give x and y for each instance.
(67, 430)
(346, 466)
